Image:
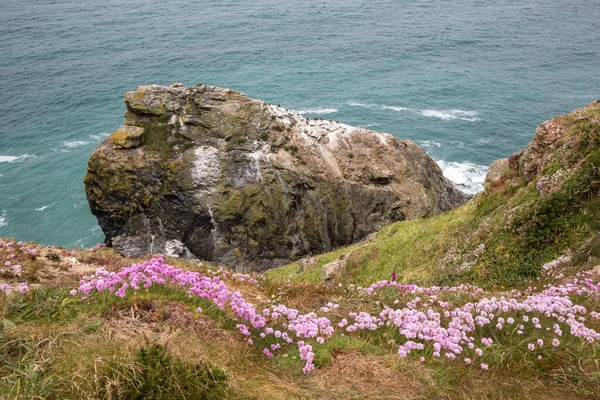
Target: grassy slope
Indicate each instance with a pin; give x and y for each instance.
(504, 234)
(54, 346)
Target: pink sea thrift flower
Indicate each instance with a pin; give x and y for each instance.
(23, 287)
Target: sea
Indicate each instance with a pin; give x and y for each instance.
(469, 80)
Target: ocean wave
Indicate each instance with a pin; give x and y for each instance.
(394, 108)
(429, 144)
(466, 176)
(362, 105)
(451, 114)
(3, 219)
(317, 111)
(74, 143)
(429, 113)
(11, 159)
(41, 208)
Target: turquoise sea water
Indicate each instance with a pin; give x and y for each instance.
(468, 80)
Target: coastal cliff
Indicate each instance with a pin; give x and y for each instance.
(506, 285)
(208, 172)
(540, 208)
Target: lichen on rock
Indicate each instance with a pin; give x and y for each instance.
(127, 136)
(239, 181)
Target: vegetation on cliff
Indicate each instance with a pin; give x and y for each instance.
(544, 204)
(499, 298)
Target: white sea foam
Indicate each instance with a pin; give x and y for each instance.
(316, 111)
(74, 143)
(394, 108)
(466, 176)
(11, 159)
(41, 208)
(362, 105)
(100, 136)
(3, 219)
(428, 144)
(430, 113)
(451, 114)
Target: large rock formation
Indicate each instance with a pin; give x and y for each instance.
(208, 172)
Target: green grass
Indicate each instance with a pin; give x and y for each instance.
(153, 373)
(517, 228)
(412, 248)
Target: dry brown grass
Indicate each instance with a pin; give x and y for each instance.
(358, 376)
(149, 318)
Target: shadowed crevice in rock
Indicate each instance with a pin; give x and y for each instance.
(211, 173)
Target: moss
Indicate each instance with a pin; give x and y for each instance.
(163, 138)
(138, 95)
(292, 149)
(283, 214)
(177, 174)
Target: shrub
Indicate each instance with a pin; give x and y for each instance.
(53, 257)
(155, 374)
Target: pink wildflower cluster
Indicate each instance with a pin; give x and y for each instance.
(225, 274)
(306, 353)
(9, 252)
(22, 287)
(156, 272)
(428, 325)
(541, 184)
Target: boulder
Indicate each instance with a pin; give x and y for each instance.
(334, 269)
(306, 264)
(208, 172)
(497, 171)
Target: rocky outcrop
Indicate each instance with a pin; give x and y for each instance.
(496, 172)
(530, 161)
(208, 172)
(556, 150)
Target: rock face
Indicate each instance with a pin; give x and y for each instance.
(530, 161)
(208, 172)
(555, 151)
(497, 170)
